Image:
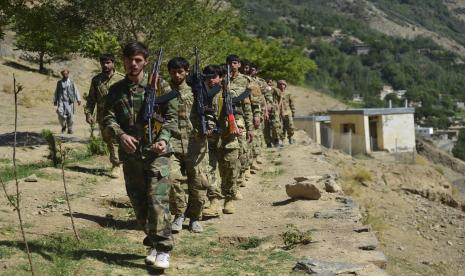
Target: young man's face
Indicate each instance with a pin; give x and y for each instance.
(235, 65)
(65, 74)
(253, 71)
(178, 75)
(135, 65)
(246, 69)
(281, 86)
(270, 83)
(107, 66)
(212, 81)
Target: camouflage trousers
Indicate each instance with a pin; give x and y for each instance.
(267, 132)
(244, 156)
(288, 126)
(214, 190)
(112, 147)
(229, 165)
(276, 128)
(147, 186)
(195, 164)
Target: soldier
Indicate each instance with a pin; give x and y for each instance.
(214, 75)
(191, 151)
(287, 110)
(97, 94)
(274, 107)
(66, 93)
(233, 147)
(145, 166)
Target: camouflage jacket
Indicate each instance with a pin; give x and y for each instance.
(288, 108)
(243, 110)
(188, 119)
(98, 92)
(124, 110)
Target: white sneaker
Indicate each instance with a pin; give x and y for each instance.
(162, 260)
(151, 258)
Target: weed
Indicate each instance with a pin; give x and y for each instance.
(7, 172)
(376, 221)
(439, 169)
(253, 242)
(358, 174)
(52, 146)
(293, 236)
(26, 101)
(6, 252)
(96, 146)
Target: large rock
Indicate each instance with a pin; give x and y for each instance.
(303, 190)
(331, 186)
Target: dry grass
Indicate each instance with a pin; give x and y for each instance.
(32, 98)
(7, 88)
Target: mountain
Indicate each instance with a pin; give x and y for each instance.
(360, 46)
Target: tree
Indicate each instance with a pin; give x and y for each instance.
(459, 148)
(48, 29)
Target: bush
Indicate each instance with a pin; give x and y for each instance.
(293, 236)
(97, 146)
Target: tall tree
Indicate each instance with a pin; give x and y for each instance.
(47, 29)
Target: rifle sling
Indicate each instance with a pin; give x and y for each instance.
(213, 91)
(241, 97)
(167, 97)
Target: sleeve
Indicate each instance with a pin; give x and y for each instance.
(170, 125)
(255, 99)
(55, 95)
(109, 119)
(91, 99)
(76, 91)
(248, 115)
(291, 104)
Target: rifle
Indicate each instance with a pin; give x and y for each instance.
(228, 103)
(202, 95)
(150, 95)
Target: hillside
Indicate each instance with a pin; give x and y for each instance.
(416, 46)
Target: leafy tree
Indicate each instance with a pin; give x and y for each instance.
(47, 29)
(459, 148)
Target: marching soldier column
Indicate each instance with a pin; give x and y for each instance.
(203, 128)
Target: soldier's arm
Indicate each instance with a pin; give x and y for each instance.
(91, 99)
(248, 114)
(170, 125)
(109, 118)
(292, 104)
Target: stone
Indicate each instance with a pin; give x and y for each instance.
(303, 190)
(331, 186)
(31, 178)
(449, 243)
(318, 267)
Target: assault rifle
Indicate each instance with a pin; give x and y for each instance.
(150, 95)
(228, 103)
(202, 95)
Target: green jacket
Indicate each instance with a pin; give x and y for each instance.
(98, 92)
(238, 85)
(124, 110)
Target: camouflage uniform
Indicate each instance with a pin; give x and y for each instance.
(233, 161)
(261, 107)
(288, 111)
(145, 172)
(97, 95)
(191, 155)
(268, 96)
(275, 116)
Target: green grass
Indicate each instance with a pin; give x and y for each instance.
(227, 259)
(100, 250)
(23, 170)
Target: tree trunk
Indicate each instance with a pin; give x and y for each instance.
(41, 62)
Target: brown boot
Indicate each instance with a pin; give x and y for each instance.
(229, 206)
(212, 211)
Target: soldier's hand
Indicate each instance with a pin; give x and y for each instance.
(256, 122)
(128, 143)
(89, 119)
(159, 147)
(249, 137)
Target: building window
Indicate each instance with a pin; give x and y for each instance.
(346, 128)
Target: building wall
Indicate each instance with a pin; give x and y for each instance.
(358, 140)
(310, 127)
(398, 131)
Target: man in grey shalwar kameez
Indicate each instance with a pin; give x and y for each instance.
(66, 93)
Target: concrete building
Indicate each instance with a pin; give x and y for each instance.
(362, 131)
(424, 131)
(318, 127)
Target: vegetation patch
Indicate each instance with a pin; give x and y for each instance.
(293, 236)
